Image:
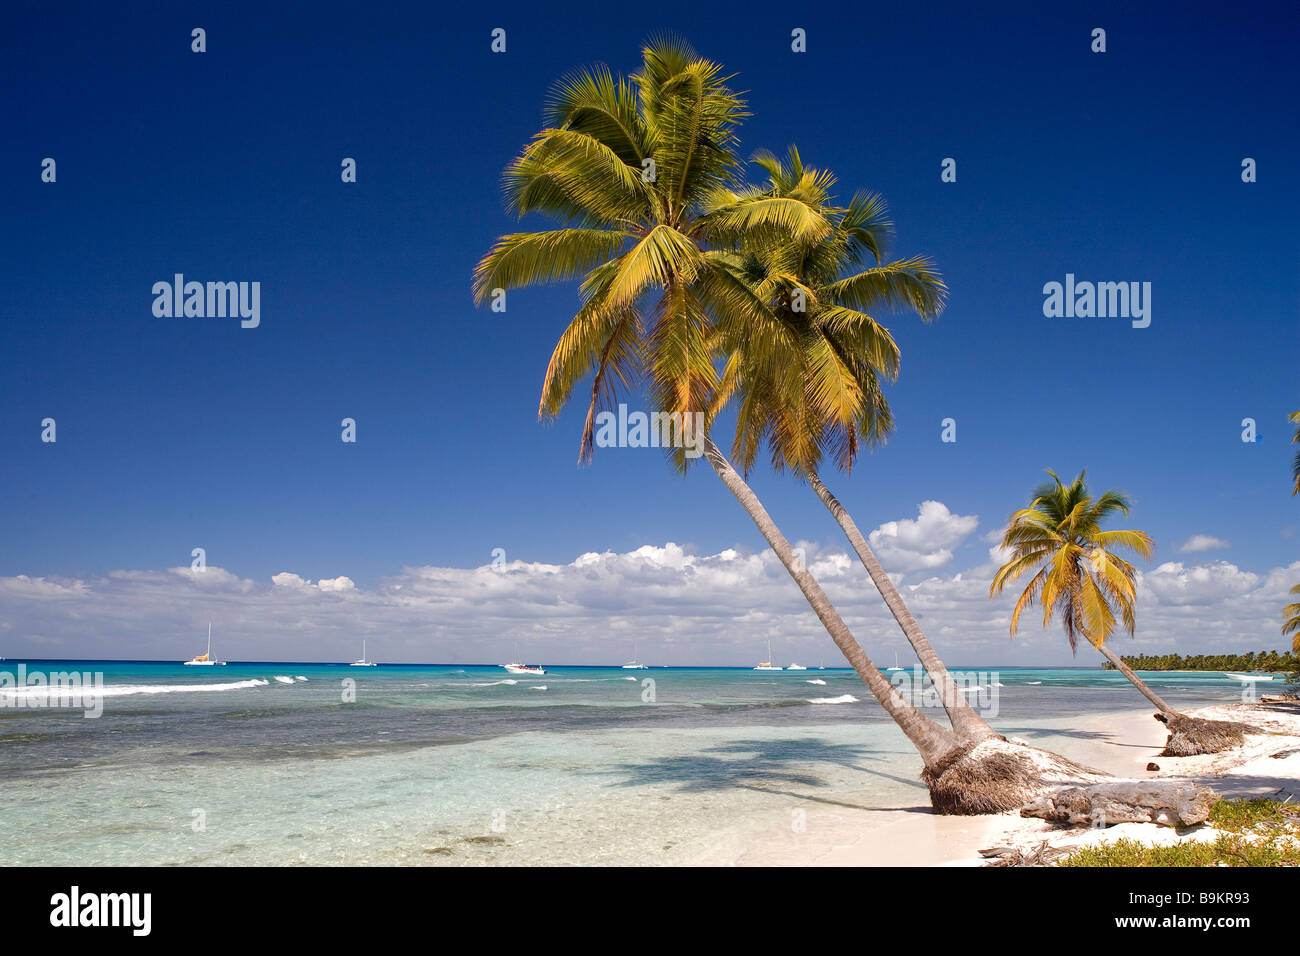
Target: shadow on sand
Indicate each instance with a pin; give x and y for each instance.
(770, 766)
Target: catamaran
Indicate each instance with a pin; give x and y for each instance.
(634, 664)
(364, 662)
(205, 660)
(767, 665)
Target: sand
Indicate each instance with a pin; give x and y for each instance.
(1268, 765)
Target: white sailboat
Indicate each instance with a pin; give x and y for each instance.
(205, 659)
(895, 667)
(364, 662)
(634, 664)
(767, 665)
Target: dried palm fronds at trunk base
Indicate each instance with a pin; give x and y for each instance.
(995, 775)
(1189, 736)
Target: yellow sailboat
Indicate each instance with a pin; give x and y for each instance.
(205, 659)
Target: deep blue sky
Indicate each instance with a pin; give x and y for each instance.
(176, 433)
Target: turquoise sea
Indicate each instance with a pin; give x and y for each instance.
(289, 763)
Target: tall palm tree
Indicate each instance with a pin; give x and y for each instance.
(822, 393)
(1078, 576)
(634, 167)
(1291, 626)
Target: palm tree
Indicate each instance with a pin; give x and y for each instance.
(1294, 418)
(1291, 626)
(635, 167)
(1079, 577)
(818, 286)
(643, 173)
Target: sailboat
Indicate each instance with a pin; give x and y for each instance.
(767, 665)
(364, 662)
(634, 664)
(205, 660)
(895, 667)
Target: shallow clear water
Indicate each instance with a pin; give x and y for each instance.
(455, 765)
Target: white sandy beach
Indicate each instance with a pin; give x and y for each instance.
(1268, 765)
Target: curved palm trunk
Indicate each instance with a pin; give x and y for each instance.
(1127, 671)
(964, 718)
(932, 740)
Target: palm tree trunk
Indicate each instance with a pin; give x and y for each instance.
(1127, 671)
(964, 718)
(932, 740)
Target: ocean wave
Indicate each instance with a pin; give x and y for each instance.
(283, 680)
(494, 683)
(846, 699)
(822, 682)
(126, 690)
(542, 687)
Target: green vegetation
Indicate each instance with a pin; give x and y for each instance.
(1254, 833)
(1263, 661)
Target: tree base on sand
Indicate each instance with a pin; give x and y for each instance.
(1189, 736)
(995, 775)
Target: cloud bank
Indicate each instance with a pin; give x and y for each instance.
(683, 608)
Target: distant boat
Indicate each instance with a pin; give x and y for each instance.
(795, 667)
(895, 667)
(364, 662)
(634, 664)
(767, 665)
(523, 669)
(517, 668)
(205, 659)
(1248, 677)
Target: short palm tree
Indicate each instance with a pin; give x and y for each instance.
(818, 391)
(1291, 626)
(1294, 417)
(1078, 577)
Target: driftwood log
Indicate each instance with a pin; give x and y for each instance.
(1166, 802)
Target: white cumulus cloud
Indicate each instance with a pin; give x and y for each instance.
(924, 543)
(1201, 542)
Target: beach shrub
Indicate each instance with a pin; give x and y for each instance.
(1256, 832)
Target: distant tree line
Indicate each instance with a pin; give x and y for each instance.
(1263, 661)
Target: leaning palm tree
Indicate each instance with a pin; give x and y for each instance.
(1291, 625)
(820, 287)
(631, 166)
(1079, 577)
(634, 168)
